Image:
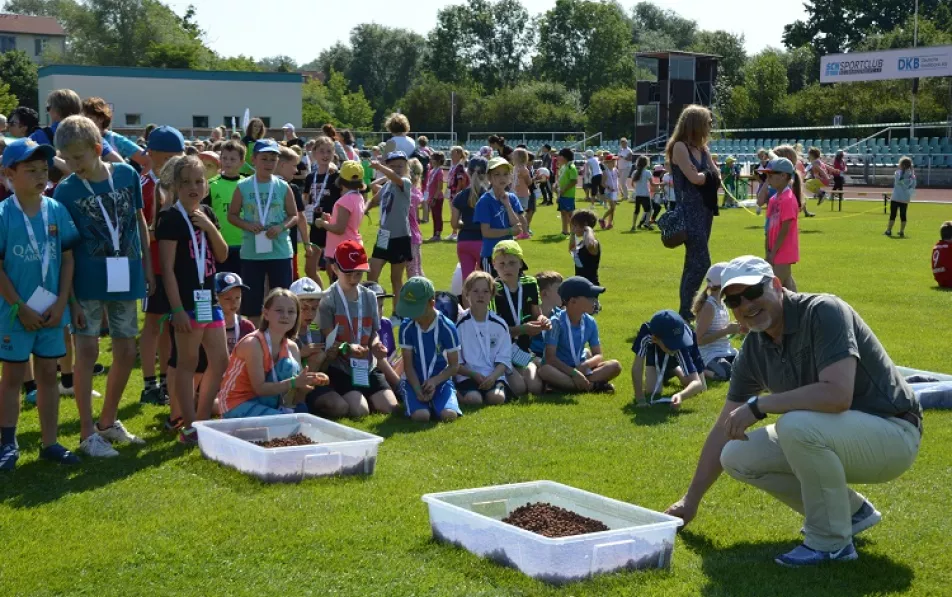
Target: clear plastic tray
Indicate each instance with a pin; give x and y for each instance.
(637, 538)
(340, 450)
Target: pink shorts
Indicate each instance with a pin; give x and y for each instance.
(218, 320)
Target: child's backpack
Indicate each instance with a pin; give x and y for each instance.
(447, 304)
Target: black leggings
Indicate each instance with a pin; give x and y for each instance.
(899, 206)
(655, 210)
(546, 192)
(642, 203)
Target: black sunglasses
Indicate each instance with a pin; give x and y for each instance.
(751, 294)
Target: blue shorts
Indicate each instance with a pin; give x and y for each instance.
(16, 347)
(256, 407)
(444, 398)
(566, 203)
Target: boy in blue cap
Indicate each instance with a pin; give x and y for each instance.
(566, 368)
(430, 346)
(36, 273)
(666, 347)
(105, 202)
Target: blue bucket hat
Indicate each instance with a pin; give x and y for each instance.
(167, 139)
(23, 149)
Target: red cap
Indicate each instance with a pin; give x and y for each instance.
(351, 257)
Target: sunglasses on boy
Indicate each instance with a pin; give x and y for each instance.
(751, 294)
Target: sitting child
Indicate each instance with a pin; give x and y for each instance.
(664, 336)
(549, 282)
(566, 368)
(430, 345)
(323, 400)
(389, 361)
(714, 327)
(258, 376)
(485, 346)
(942, 257)
(516, 300)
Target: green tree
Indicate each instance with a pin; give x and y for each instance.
(488, 42)
(240, 62)
(729, 47)
(585, 45)
(164, 55)
(337, 57)
(655, 28)
(427, 103)
(278, 64)
(803, 67)
(351, 109)
(765, 82)
(386, 61)
(611, 111)
(537, 106)
(316, 108)
(8, 101)
(20, 73)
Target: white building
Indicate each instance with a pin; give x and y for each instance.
(190, 100)
(32, 35)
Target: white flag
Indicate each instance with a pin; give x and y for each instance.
(246, 118)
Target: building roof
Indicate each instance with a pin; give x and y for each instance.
(135, 72)
(25, 24)
(666, 53)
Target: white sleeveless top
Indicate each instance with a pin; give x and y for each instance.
(722, 346)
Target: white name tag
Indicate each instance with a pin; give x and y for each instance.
(263, 244)
(309, 213)
(41, 300)
(520, 358)
(117, 274)
(203, 306)
(360, 373)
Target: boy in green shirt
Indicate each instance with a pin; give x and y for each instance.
(568, 180)
(221, 189)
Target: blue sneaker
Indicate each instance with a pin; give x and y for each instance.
(805, 556)
(867, 516)
(30, 398)
(9, 454)
(59, 454)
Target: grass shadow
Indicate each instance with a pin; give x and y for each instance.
(31, 439)
(39, 482)
(550, 239)
(398, 422)
(549, 398)
(811, 231)
(760, 227)
(941, 289)
(747, 568)
(651, 415)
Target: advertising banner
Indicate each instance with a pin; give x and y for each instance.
(882, 65)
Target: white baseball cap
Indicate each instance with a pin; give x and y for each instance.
(714, 273)
(306, 288)
(747, 270)
(288, 125)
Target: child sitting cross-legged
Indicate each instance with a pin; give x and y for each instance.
(566, 369)
(549, 282)
(323, 400)
(430, 346)
(666, 347)
(485, 346)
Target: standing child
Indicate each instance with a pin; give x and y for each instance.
(288, 162)
(263, 207)
(322, 192)
(793, 154)
(516, 300)
(105, 202)
(585, 249)
(568, 180)
(221, 190)
(415, 267)
(904, 187)
(818, 175)
(430, 345)
(566, 367)
(469, 240)
(485, 348)
(642, 178)
(942, 257)
(165, 144)
(714, 327)
(228, 289)
(522, 184)
(783, 236)
(839, 178)
(587, 173)
(433, 194)
(611, 192)
(189, 245)
(498, 212)
(35, 287)
(348, 314)
(458, 179)
(342, 223)
(393, 243)
(664, 336)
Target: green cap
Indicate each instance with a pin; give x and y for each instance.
(414, 297)
(508, 247)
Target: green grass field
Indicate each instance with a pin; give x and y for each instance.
(161, 520)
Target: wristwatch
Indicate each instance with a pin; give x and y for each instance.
(753, 404)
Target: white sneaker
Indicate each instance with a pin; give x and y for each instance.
(97, 447)
(64, 391)
(118, 433)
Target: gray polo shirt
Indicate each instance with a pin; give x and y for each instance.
(819, 330)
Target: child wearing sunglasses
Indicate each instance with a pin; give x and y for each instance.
(666, 347)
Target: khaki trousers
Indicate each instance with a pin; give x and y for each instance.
(807, 459)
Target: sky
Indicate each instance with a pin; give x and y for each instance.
(313, 25)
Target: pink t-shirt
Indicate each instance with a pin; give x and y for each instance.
(354, 203)
(782, 208)
(416, 198)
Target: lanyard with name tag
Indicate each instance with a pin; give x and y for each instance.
(578, 247)
(520, 358)
(263, 244)
(576, 355)
(41, 299)
(310, 207)
(117, 268)
(202, 297)
(359, 368)
(428, 368)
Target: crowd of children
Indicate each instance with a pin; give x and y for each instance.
(207, 239)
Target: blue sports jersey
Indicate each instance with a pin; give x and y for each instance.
(490, 210)
(558, 336)
(23, 265)
(96, 245)
(440, 338)
(123, 145)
